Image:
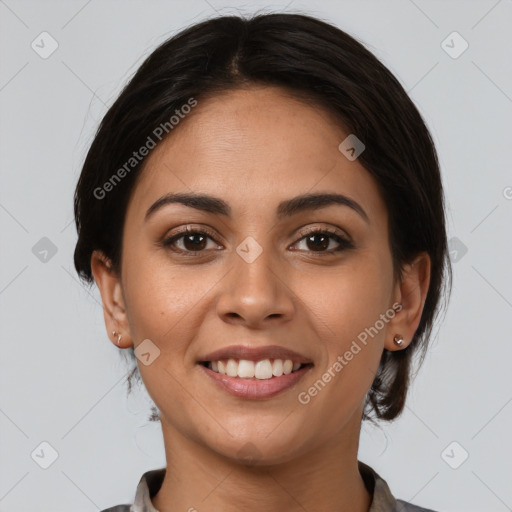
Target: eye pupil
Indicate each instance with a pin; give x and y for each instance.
(190, 238)
(323, 244)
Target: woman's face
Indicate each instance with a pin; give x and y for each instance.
(255, 276)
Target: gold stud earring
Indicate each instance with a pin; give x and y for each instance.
(398, 339)
(119, 336)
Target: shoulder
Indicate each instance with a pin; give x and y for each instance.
(405, 506)
(149, 484)
(382, 497)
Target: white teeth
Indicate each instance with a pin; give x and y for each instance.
(245, 369)
(231, 368)
(263, 369)
(277, 367)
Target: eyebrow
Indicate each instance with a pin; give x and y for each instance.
(285, 209)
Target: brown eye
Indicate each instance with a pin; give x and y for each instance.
(194, 241)
(318, 241)
(189, 241)
(321, 239)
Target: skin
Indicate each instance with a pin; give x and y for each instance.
(254, 148)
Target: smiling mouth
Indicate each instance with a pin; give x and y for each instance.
(264, 369)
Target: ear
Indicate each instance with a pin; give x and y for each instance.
(411, 293)
(114, 309)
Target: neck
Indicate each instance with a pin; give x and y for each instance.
(324, 478)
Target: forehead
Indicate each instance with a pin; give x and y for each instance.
(255, 146)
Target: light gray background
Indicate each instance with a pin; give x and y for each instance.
(62, 381)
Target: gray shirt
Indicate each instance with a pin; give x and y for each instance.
(382, 501)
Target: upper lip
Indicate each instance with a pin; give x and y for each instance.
(255, 354)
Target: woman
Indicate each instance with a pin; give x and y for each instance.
(262, 211)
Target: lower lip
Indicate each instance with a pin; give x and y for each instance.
(255, 388)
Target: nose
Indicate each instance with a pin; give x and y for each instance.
(255, 294)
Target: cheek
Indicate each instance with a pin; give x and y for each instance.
(158, 296)
(348, 301)
(350, 314)
(351, 352)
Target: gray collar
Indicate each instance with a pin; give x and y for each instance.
(151, 481)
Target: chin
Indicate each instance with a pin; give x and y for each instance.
(257, 451)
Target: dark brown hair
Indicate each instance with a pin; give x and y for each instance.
(313, 60)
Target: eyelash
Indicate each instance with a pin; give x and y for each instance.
(343, 242)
